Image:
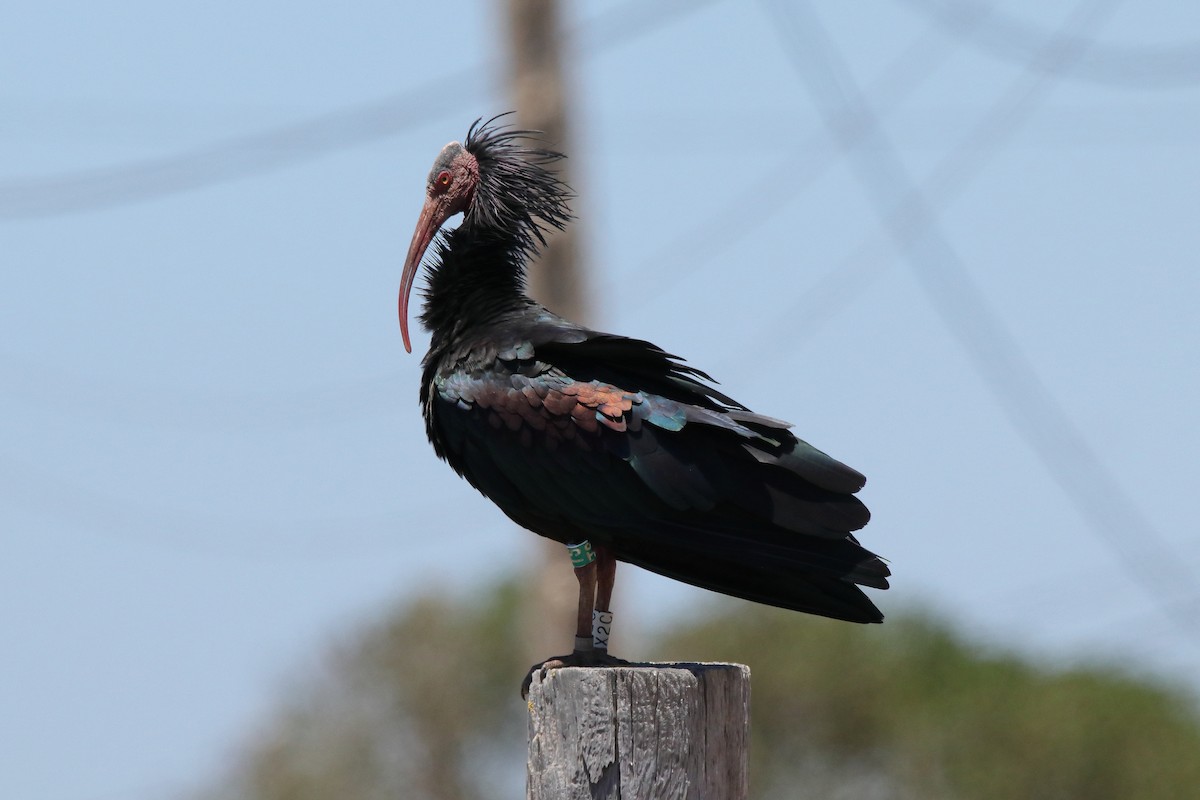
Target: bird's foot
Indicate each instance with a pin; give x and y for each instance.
(579, 658)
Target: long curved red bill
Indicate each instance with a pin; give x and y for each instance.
(427, 227)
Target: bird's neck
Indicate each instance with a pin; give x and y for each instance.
(477, 282)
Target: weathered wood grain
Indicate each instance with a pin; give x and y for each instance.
(645, 732)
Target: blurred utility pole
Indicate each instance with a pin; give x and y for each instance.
(556, 279)
(540, 92)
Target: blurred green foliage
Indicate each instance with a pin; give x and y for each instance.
(423, 705)
(909, 709)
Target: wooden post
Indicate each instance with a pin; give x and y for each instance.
(649, 732)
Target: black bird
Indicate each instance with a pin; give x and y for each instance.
(605, 443)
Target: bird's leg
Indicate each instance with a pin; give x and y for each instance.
(585, 573)
(602, 617)
(606, 575)
(595, 569)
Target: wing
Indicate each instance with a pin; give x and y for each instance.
(614, 440)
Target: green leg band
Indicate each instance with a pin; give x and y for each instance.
(582, 554)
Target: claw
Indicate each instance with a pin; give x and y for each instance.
(579, 658)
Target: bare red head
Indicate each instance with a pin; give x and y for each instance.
(449, 190)
(506, 192)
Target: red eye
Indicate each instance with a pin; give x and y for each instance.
(444, 178)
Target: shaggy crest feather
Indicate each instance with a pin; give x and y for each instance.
(517, 193)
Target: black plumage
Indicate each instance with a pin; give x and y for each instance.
(577, 434)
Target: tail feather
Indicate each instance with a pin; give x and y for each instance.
(768, 581)
(767, 518)
(724, 539)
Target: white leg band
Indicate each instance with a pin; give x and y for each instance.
(601, 628)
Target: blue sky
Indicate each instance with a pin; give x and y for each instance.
(214, 464)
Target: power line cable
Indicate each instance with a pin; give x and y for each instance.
(195, 408)
(752, 208)
(952, 175)
(1156, 66)
(697, 246)
(238, 157)
(1148, 558)
(245, 156)
(30, 489)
